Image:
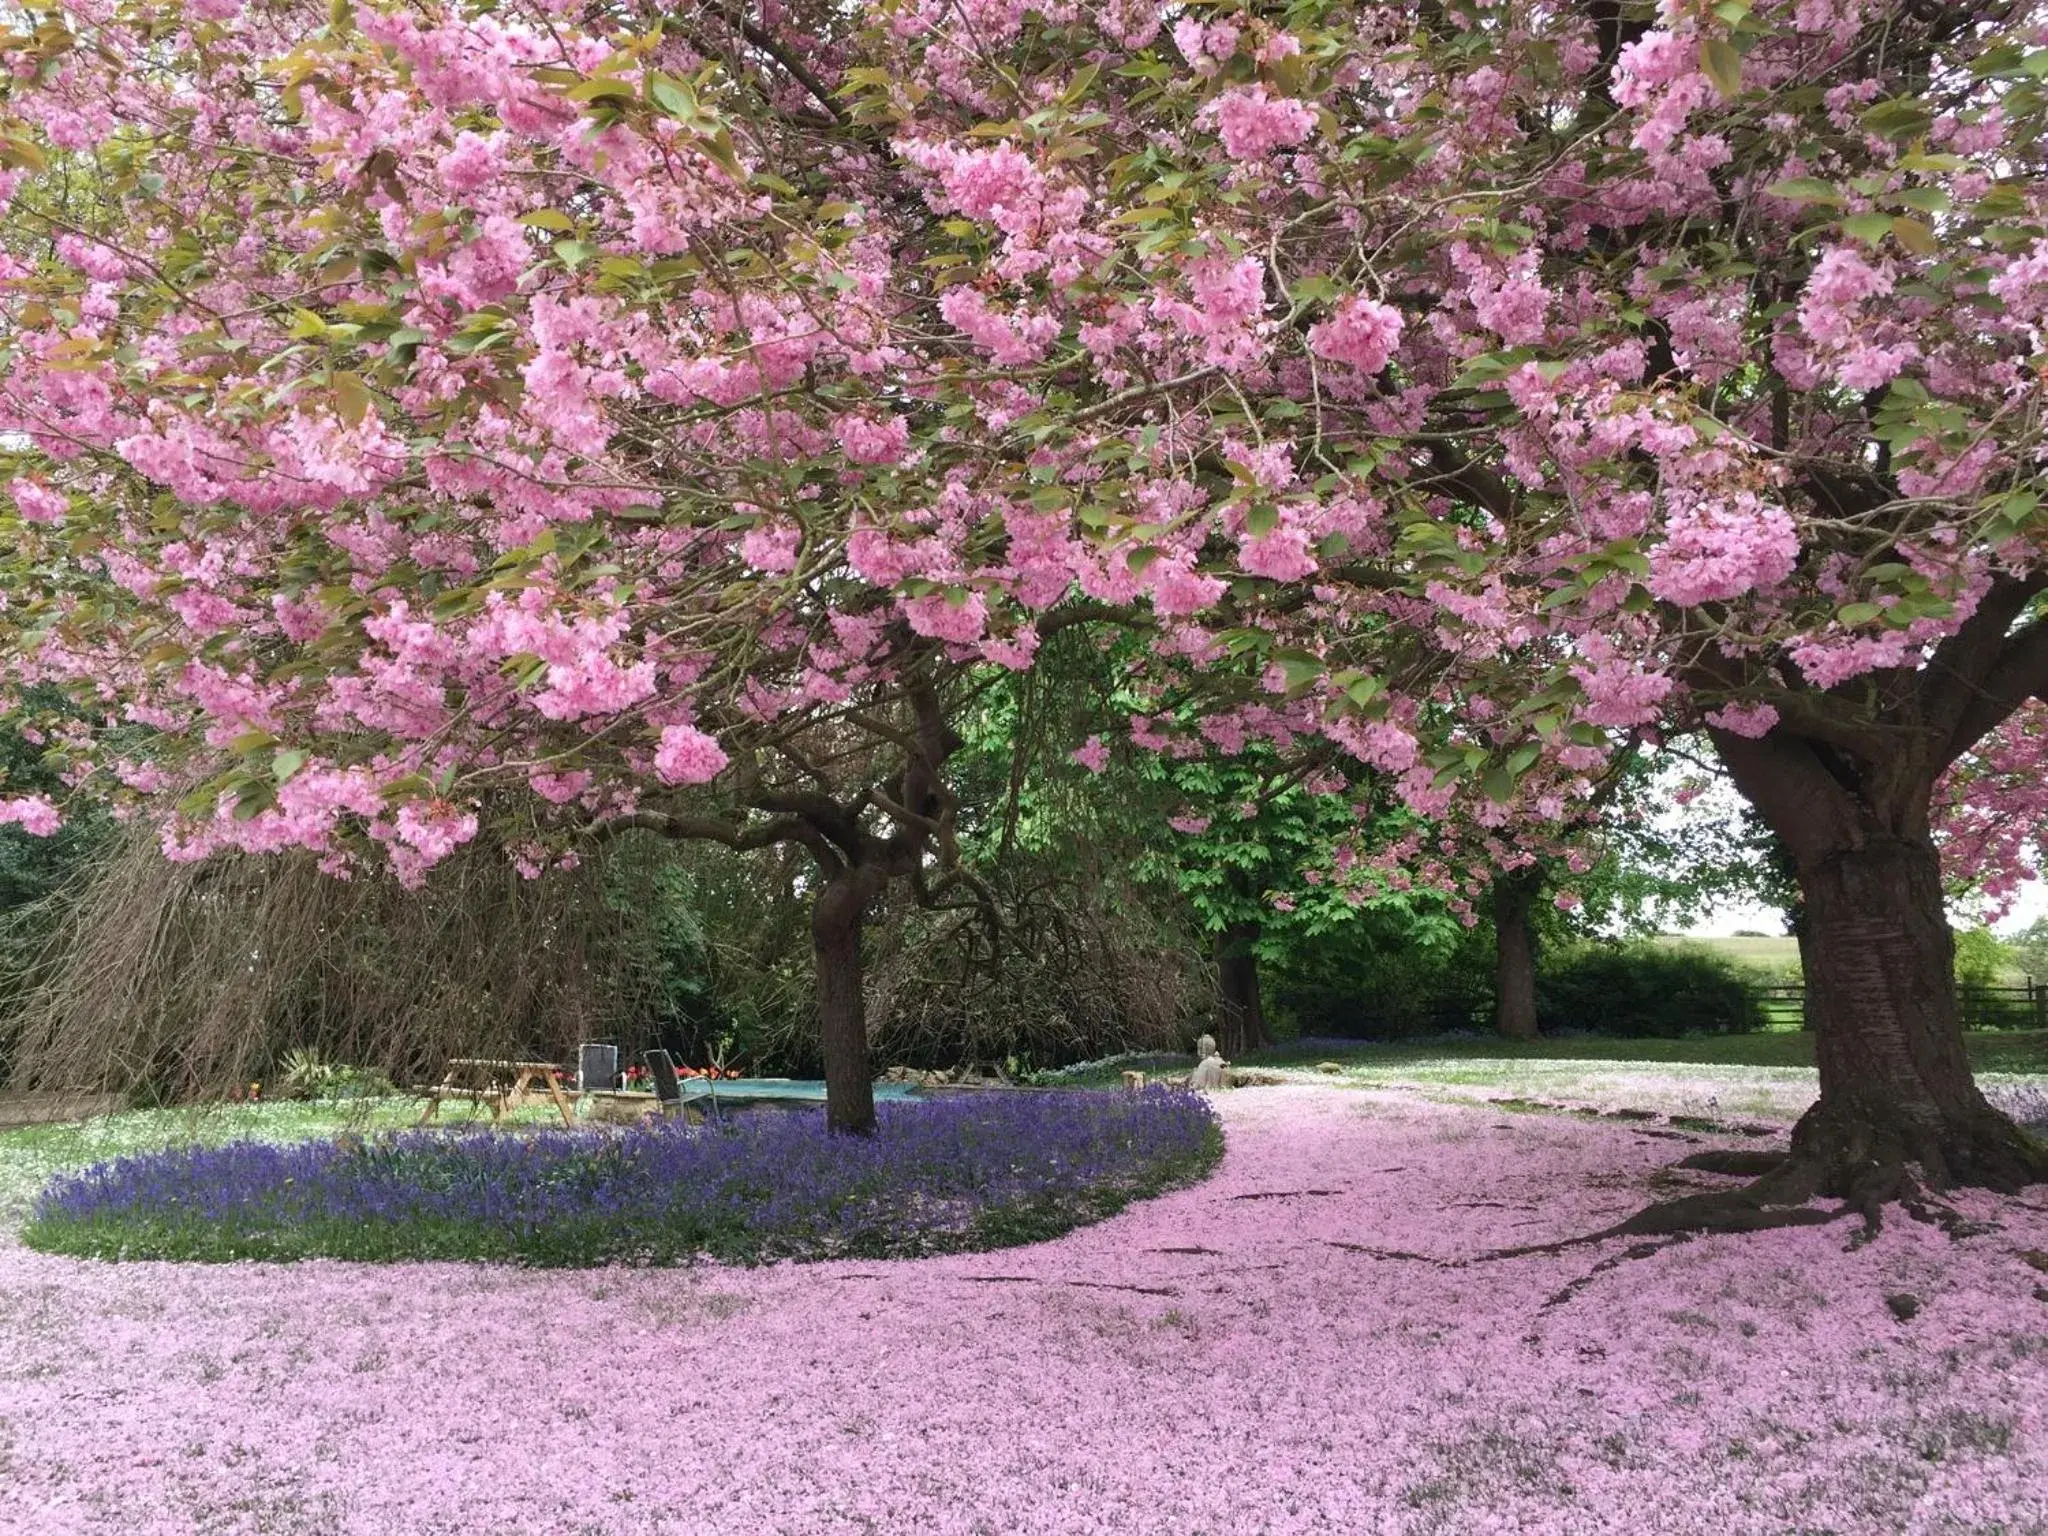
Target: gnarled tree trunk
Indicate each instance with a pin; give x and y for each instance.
(1514, 956)
(1897, 1100)
(1240, 1014)
(1895, 1084)
(836, 919)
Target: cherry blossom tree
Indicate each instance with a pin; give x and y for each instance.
(663, 412)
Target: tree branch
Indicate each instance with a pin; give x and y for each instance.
(2019, 674)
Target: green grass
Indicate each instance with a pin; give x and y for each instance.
(2002, 1051)
(31, 1155)
(1778, 956)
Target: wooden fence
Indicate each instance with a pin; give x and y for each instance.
(2019, 1006)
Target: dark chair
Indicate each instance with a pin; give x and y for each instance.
(668, 1088)
(597, 1068)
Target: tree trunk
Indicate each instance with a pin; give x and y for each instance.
(836, 920)
(1240, 1015)
(1514, 962)
(1898, 1106)
(1895, 1084)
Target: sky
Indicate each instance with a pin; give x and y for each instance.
(1720, 800)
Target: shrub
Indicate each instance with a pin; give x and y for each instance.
(939, 1175)
(1645, 989)
(1384, 976)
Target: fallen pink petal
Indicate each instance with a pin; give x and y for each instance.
(1204, 1362)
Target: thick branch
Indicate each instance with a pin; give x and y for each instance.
(797, 70)
(2020, 673)
(741, 836)
(1474, 480)
(1784, 778)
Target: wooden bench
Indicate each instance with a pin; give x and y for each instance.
(503, 1085)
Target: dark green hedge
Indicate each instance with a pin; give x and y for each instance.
(1645, 989)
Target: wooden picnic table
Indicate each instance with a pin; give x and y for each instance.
(504, 1085)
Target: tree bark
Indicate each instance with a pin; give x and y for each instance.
(837, 916)
(1240, 1013)
(1514, 960)
(1897, 1101)
(1895, 1083)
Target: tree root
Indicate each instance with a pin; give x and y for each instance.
(1612, 1261)
(1087, 1285)
(1735, 1160)
(1860, 1167)
(1284, 1194)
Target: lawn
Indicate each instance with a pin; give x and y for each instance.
(1777, 954)
(2000, 1051)
(1331, 1335)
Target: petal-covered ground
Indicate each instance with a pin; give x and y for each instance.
(1240, 1357)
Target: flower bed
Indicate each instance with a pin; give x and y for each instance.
(937, 1177)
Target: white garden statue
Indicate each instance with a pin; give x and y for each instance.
(1205, 1048)
(1209, 1074)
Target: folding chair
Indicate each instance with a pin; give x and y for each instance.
(668, 1088)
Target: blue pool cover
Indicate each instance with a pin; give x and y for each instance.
(803, 1089)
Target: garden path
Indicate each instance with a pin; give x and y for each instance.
(1227, 1359)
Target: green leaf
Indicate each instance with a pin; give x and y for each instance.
(1902, 117)
(1805, 189)
(1499, 784)
(253, 801)
(1855, 615)
(673, 97)
(285, 762)
(1926, 199)
(548, 218)
(1915, 236)
(1298, 667)
(351, 397)
(1870, 228)
(1723, 65)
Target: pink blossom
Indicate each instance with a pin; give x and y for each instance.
(1722, 547)
(34, 814)
(1838, 285)
(959, 617)
(1751, 720)
(37, 502)
(1619, 695)
(559, 788)
(1178, 589)
(866, 441)
(1253, 124)
(1280, 555)
(434, 828)
(1363, 332)
(687, 755)
(2023, 285)
(1091, 754)
(773, 547)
